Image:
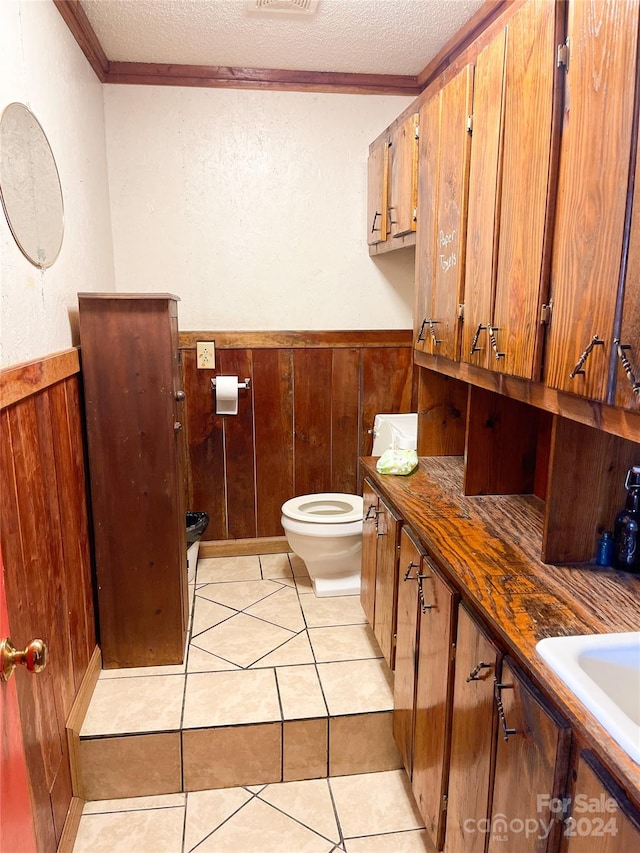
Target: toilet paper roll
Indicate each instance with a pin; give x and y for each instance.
(226, 395)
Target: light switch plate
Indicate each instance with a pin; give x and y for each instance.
(206, 354)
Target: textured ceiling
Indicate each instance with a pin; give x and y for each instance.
(359, 36)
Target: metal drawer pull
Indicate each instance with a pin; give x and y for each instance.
(474, 343)
(494, 342)
(473, 675)
(412, 565)
(424, 606)
(376, 513)
(626, 364)
(577, 370)
(503, 720)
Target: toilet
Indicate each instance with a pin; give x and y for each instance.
(325, 530)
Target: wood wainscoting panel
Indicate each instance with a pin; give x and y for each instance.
(272, 390)
(45, 544)
(301, 427)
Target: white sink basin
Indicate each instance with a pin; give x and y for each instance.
(603, 670)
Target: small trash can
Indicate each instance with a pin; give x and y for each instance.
(196, 525)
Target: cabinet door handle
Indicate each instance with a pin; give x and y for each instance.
(372, 509)
(373, 224)
(473, 675)
(494, 342)
(626, 364)
(498, 688)
(577, 370)
(474, 343)
(412, 565)
(180, 396)
(423, 605)
(421, 332)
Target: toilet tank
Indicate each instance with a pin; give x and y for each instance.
(397, 431)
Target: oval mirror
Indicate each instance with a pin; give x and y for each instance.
(30, 186)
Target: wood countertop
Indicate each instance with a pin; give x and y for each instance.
(489, 547)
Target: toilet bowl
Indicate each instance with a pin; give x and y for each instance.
(325, 531)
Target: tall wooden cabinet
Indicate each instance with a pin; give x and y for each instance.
(134, 412)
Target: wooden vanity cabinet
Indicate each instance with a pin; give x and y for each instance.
(387, 554)
(434, 694)
(593, 186)
(600, 818)
(380, 551)
(407, 627)
(473, 737)
(370, 499)
(531, 766)
(134, 413)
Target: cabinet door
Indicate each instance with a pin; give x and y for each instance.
(484, 183)
(472, 738)
(529, 157)
(426, 233)
(532, 759)
(378, 194)
(627, 387)
(451, 214)
(384, 623)
(434, 693)
(403, 165)
(369, 548)
(592, 193)
(602, 819)
(409, 570)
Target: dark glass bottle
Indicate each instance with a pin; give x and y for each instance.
(626, 531)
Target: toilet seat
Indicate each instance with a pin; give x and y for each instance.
(324, 508)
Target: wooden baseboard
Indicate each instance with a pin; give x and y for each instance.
(243, 547)
(70, 828)
(76, 718)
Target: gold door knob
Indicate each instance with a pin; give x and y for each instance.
(34, 657)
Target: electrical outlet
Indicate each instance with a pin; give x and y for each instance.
(206, 354)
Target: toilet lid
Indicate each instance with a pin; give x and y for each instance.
(326, 508)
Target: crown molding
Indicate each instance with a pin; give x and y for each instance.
(76, 19)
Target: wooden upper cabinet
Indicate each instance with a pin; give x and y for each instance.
(403, 168)
(627, 342)
(513, 167)
(532, 762)
(592, 194)
(484, 184)
(378, 194)
(441, 257)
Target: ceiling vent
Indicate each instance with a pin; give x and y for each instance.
(272, 7)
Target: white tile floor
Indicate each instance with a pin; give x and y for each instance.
(263, 645)
(357, 814)
(261, 648)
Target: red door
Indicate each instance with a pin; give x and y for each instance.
(16, 821)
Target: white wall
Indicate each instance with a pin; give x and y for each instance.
(42, 66)
(251, 206)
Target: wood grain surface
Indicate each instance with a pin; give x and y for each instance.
(489, 547)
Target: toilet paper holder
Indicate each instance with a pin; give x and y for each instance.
(246, 384)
